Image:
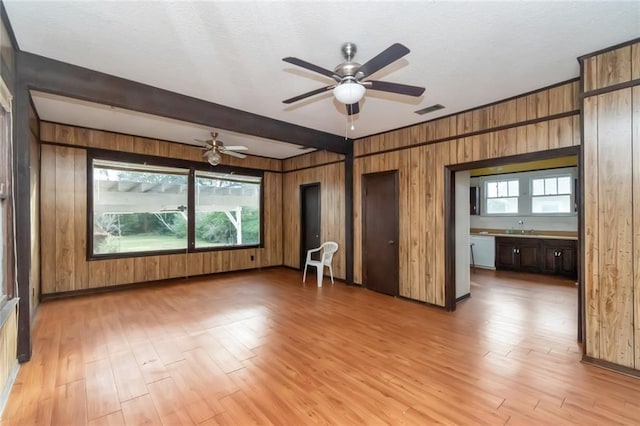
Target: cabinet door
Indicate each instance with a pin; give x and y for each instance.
(550, 264)
(528, 254)
(505, 254)
(567, 264)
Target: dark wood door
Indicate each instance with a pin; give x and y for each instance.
(380, 232)
(309, 220)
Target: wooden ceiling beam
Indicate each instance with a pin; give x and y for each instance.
(60, 78)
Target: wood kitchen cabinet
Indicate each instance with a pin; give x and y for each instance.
(559, 257)
(521, 254)
(537, 255)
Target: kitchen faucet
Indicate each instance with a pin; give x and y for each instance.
(521, 223)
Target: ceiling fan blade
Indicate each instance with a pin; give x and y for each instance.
(203, 144)
(306, 95)
(234, 154)
(403, 89)
(384, 58)
(353, 109)
(309, 66)
(235, 148)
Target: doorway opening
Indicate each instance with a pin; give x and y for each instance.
(310, 217)
(527, 217)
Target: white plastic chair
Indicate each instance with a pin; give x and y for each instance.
(328, 249)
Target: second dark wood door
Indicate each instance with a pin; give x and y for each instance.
(380, 232)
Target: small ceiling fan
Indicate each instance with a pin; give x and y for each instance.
(213, 148)
(351, 77)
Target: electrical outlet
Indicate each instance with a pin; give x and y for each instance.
(252, 256)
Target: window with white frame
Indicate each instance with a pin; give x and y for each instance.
(502, 196)
(551, 195)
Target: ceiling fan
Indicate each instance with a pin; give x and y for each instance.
(214, 147)
(351, 77)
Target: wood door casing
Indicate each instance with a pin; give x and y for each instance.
(380, 232)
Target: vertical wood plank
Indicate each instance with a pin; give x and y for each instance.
(441, 159)
(561, 133)
(48, 218)
(636, 212)
(577, 132)
(411, 287)
(614, 67)
(65, 226)
(81, 269)
(616, 233)
(590, 74)
(635, 62)
(591, 228)
(561, 99)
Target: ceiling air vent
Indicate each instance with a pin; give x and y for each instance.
(429, 109)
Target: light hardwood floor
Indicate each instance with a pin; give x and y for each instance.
(260, 348)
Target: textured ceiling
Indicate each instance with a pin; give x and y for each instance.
(465, 53)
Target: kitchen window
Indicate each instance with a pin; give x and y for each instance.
(502, 197)
(551, 195)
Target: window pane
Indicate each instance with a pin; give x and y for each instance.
(503, 189)
(514, 189)
(227, 211)
(138, 208)
(502, 205)
(550, 186)
(492, 189)
(551, 204)
(538, 186)
(564, 185)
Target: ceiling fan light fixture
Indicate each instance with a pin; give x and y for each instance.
(349, 92)
(213, 158)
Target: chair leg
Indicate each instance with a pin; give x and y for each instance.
(320, 269)
(304, 275)
(331, 273)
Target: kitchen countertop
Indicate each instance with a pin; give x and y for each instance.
(547, 235)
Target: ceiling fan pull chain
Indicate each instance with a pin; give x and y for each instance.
(346, 128)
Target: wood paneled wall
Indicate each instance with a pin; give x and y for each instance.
(612, 206)
(64, 219)
(34, 212)
(309, 160)
(550, 102)
(332, 205)
(82, 137)
(422, 172)
(8, 349)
